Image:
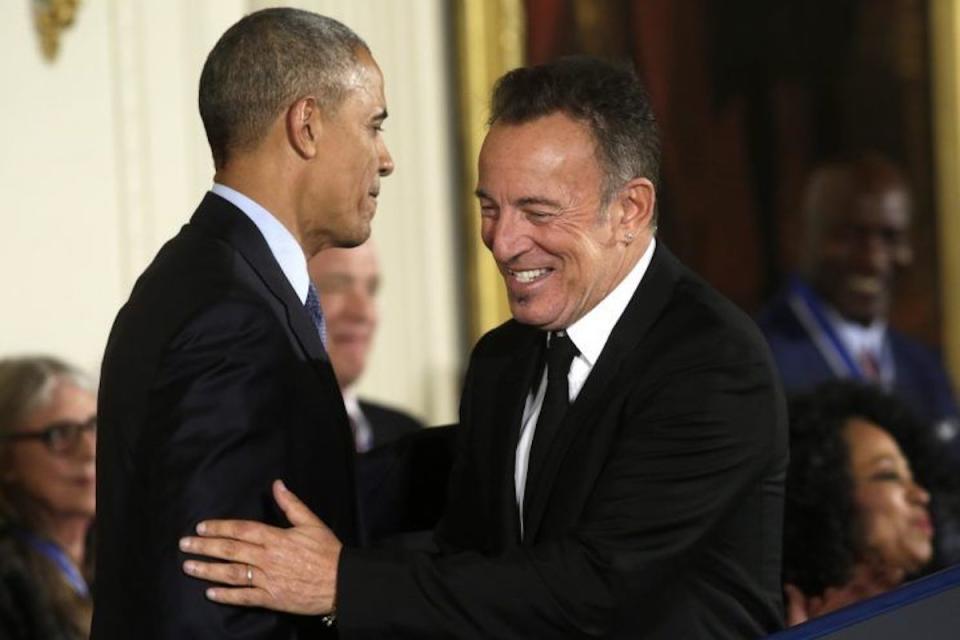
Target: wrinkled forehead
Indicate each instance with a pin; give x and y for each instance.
(554, 129)
(549, 146)
(889, 209)
(893, 204)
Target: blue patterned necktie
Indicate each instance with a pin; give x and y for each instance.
(313, 308)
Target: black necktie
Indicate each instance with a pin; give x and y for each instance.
(560, 354)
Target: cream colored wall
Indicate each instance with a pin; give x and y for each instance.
(60, 266)
(103, 157)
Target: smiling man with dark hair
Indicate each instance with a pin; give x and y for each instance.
(831, 322)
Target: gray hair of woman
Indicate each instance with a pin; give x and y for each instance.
(29, 385)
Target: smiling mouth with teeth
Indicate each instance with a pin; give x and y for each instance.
(865, 285)
(528, 275)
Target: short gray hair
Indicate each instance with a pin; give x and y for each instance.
(27, 383)
(265, 62)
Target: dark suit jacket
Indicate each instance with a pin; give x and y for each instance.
(214, 383)
(388, 424)
(920, 380)
(397, 478)
(403, 486)
(658, 514)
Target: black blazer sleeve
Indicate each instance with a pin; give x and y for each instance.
(219, 403)
(692, 433)
(214, 383)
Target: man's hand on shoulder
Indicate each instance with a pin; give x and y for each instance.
(292, 570)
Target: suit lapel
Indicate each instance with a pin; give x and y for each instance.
(225, 221)
(644, 308)
(512, 389)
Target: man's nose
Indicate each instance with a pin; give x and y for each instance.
(359, 305)
(875, 254)
(505, 236)
(386, 160)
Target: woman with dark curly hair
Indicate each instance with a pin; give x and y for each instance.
(857, 523)
(47, 499)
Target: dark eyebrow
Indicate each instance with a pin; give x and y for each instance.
(538, 200)
(525, 202)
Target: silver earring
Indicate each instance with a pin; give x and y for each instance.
(628, 237)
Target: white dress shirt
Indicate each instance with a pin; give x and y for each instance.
(359, 424)
(284, 247)
(859, 339)
(589, 334)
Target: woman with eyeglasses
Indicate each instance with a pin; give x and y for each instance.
(47, 499)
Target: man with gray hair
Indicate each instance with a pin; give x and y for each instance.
(215, 379)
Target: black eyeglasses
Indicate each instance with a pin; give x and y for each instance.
(59, 437)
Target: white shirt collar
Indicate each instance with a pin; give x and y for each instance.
(350, 401)
(284, 247)
(856, 337)
(362, 429)
(591, 332)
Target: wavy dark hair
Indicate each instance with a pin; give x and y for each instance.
(608, 97)
(821, 536)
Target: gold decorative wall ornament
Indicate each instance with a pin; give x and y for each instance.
(51, 17)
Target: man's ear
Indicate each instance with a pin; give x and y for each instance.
(303, 124)
(638, 199)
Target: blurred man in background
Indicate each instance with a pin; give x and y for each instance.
(832, 321)
(348, 281)
(400, 482)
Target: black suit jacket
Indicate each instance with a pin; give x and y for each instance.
(402, 486)
(214, 383)
(658, 514)
(388, 485)
(387, 424)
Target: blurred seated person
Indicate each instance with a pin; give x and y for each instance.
(47, 498)
(832, 321)
(856, 522)
(347, 281)
(403, 470)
